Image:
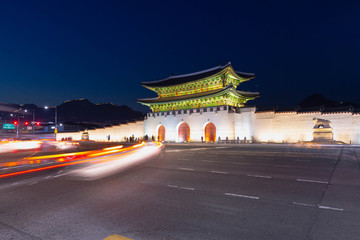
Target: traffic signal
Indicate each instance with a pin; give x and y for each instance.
(26, 123)
(37, 124)
(15, 123)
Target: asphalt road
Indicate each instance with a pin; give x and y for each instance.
(195, 192)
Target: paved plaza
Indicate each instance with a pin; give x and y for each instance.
(196, 191)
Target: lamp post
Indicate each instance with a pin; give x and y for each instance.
(33, 121)
(17, 127)
(55, 130)
(16, 123)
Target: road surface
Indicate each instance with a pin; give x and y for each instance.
(195, 192)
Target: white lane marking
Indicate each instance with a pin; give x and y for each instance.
(12, 167)
(258, 176)
(240, 195)
(185, 188)
(207, 161)
(221, 147)
(311, 181)
(331, 208)
(190, 149)
(183, 159)
(186, 169)
(60, 175)
(304, 204)
(196, 149)
(219, 172)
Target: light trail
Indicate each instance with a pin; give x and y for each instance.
(118, 162)
(10, 146)
(114, 154)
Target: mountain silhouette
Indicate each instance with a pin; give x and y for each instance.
(82, 110)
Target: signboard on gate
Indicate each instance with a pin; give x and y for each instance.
(8, 126)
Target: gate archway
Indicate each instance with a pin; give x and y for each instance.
(210, 132)
(161, 133)
(184, 133)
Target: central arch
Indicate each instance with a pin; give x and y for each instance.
(161, 133)
(210, 132)
(184, 132)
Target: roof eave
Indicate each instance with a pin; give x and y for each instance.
(229, 88)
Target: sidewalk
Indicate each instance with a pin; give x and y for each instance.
(305, 145)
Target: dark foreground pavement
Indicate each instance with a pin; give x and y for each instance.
(195, 192)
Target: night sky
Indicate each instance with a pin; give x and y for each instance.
(52, 51)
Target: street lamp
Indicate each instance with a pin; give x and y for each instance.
(55, 131)
(33, 122)
(33, 112)
(16, 123)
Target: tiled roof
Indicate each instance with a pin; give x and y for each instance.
(286, 109)
(310, 109)
(318, 109)
(337, 109)
(356, 110)
(197, 95)
(180, 79)
(265, 109)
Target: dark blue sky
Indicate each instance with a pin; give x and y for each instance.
(52, 51)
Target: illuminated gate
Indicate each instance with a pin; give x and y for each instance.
(161, 133)
(184, 133)
(210, 132)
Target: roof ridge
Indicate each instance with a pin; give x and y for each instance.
(191, 74)
(239, 72)
(248, 92)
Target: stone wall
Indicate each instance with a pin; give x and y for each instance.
(117, 133)
(232, 124)
(294, 127)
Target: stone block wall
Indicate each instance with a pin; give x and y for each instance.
(233, 124)
(293, 127)
(117, 133)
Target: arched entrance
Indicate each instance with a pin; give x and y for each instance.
(161, 133)
(210, 132)
(184, 132)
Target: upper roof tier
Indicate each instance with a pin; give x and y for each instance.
(186, 78)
